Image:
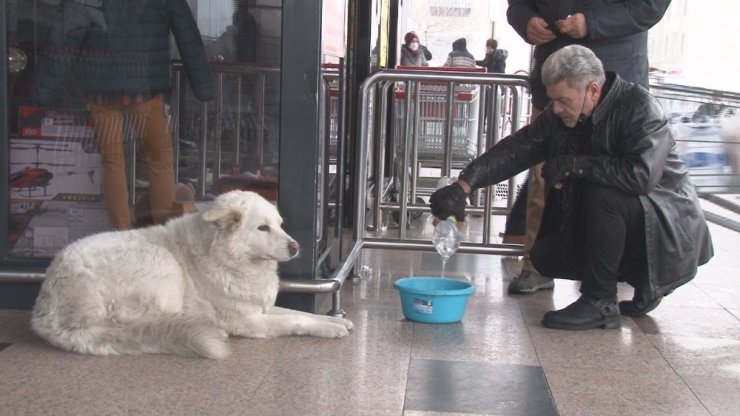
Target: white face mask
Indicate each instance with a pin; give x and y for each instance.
(413, 46)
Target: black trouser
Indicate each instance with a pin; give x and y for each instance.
(612, 247)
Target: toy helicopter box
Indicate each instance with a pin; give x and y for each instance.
(55, 122)
(42, 228)
(43, 168)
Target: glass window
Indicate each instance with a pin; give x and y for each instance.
(121, 117)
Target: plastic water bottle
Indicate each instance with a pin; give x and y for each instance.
(446, 239)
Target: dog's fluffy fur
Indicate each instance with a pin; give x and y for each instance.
(180, 288)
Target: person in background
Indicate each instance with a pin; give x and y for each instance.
(495, 60)
(424, 50)
(411, 54)
(617, 34)
(460, 57)
(120, 51)
(619, 204)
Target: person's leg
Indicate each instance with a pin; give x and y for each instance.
(529, 281)
(150, 119)
(612, 222)
(108, 121)
(614, 240)
(516, 220)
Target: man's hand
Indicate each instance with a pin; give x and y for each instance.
(447, 201)
(537, 31)
(574, 26)
(563, 167)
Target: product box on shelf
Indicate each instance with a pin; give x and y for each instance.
(40, 228)
(55, 122)
(43, 168)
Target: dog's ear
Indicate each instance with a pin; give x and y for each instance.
(224, 216)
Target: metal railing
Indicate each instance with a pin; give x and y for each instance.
(706, 127)
(210, 116)
(378, 85)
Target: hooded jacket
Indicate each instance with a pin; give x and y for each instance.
(460, 55)
(122, 47)
(632, 150)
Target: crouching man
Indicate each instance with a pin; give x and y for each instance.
(619, 205)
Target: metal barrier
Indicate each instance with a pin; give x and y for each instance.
(210, 116)
(706, 126)
(379, 84)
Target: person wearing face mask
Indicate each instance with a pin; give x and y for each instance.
(619, 205)
(411, 53)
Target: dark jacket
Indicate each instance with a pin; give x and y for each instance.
(495, 62)
(122, 47)
(425, 50)
(632, 150)
(617, 33)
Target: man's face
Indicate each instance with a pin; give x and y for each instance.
(569, 103)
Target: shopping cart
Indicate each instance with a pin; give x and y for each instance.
(430, 118)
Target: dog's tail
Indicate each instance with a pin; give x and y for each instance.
(165, 334)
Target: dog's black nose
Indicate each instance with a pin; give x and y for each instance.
(293, 248)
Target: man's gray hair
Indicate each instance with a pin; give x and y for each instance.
(574, 64)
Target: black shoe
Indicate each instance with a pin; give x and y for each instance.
(643, 301)
(636, 308)
(585, 313)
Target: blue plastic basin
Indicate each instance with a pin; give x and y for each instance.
(433, 299)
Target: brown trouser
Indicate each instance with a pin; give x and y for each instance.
(148, 121)
(535, 206)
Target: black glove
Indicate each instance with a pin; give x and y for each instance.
(447, 201)
(563, 167)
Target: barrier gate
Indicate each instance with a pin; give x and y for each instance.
(441, 119)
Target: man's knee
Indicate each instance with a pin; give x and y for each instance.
(610, 201)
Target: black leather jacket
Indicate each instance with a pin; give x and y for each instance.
(632, 149)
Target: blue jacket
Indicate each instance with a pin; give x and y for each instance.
(121, 47)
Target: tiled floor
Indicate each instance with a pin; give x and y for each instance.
(683, 359)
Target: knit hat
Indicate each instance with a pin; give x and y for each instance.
(410, 37)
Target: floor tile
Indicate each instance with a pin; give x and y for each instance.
(476, 387)
(717, 357)
(598, 349)
(578, 391)
(718, 394)
(692, 322)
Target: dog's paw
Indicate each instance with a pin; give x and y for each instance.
(347, 324)
(213, 344)
(330, 330)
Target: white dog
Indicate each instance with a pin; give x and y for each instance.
(180, 288)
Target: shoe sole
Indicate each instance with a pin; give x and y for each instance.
(608, 323)
(546, 286)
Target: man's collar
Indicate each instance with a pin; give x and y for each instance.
(609, 92)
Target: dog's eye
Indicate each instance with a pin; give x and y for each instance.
(264, 228)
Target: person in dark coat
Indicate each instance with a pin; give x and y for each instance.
(616, 31)
(495, 60)
(120, 51)
(619, 204)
